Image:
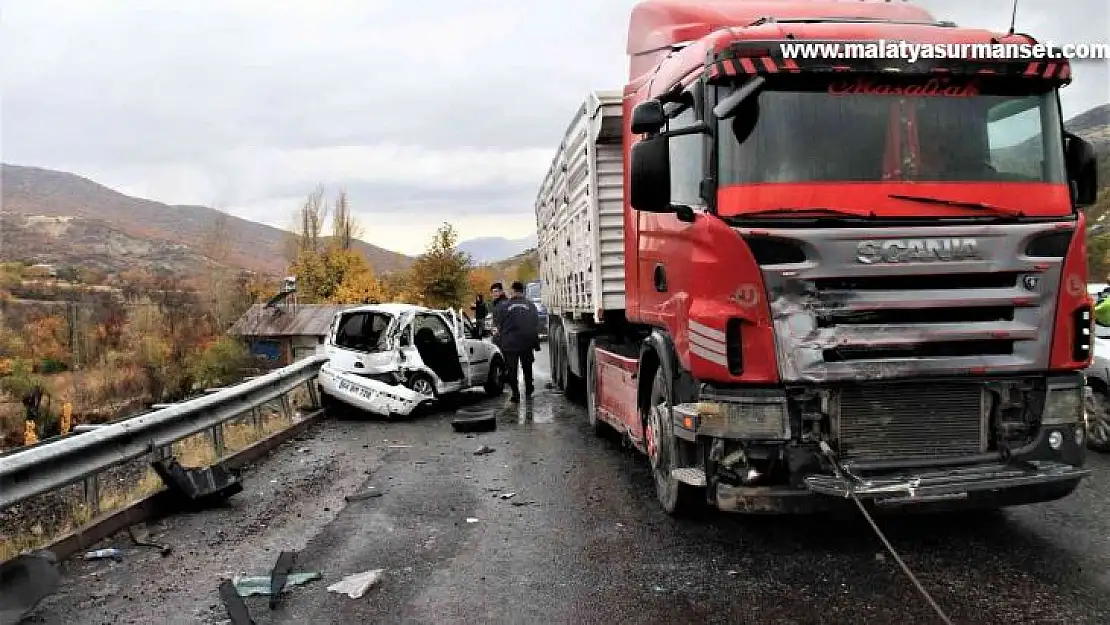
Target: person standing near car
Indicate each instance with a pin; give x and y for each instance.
(517, 324)
(497, 297)
(479, 308)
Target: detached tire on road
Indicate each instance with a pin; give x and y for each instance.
(466, 421)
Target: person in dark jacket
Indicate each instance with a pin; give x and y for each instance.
(497, 297)
(517, 323)
(479, 308)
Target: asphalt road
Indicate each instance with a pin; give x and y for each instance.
(581, 541)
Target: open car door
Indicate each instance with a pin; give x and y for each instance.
(455, 323)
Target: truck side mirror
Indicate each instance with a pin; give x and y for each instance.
(1082, 165)
(650, 178)
(648, 117)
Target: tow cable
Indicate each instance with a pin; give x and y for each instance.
(841, 473)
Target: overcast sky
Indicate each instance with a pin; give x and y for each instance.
(424, 110)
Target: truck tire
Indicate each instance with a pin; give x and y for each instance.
(597, 425)
(1097, 410)
(554, 355)
(677, 498)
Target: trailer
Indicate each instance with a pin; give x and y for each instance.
(788, 280)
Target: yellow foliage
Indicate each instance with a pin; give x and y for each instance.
(66, 419)
(480, 278)
(29, 435)
(357, 283)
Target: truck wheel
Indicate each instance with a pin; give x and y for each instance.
(596, 424)
(1097, 412)
(555, 355)
(677, 498)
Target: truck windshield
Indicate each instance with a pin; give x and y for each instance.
(861, 131)
(532, 291)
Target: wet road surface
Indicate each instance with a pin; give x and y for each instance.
(581, 541)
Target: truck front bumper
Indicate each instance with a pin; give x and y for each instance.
(983, 486)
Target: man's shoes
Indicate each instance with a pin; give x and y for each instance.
(515, 399)
(528, 391)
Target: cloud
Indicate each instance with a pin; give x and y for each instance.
(424, 111)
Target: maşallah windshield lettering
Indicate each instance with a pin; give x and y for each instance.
(936, 87)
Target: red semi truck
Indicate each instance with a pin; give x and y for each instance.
(790, 280)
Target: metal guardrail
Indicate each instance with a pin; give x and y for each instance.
(55, 464)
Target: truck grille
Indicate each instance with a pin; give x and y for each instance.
(911, 421)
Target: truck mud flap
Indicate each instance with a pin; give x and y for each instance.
(371, 395)
(946, 485)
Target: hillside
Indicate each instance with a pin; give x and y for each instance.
(158, 229)
(92, 244)
(494, 249)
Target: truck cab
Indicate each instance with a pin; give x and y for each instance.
(841, 275)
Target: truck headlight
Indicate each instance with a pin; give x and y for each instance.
(1063, 406)
(744, 418)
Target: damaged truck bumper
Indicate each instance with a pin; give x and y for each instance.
(965, 488)
(947, 445)
(368, 394)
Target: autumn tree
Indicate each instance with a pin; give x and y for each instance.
(527, 271)
(358, 285)
(479, 279)
(441, 274)
(345, 230)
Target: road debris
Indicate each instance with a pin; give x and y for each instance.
(471, 520)
(198, 486)
(480, 423)
(400, 446)
(521, 502)
(282, 568)
(354, 586)
(483, 450)
(363, 495)
(236, 608)
(105, 554)
(140, 537)
(507, 495)
(250, 585)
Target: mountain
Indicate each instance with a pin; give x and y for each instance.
(491, 249)
(151, 232)
(1094, 126)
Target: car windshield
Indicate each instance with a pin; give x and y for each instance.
(863, 131)
(363, 331)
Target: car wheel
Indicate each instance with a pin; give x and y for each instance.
(422, 384)
(495, 382)
(1097, 417)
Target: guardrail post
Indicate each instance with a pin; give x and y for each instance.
(286, 409)
(92, 494)
(256, 417)
(217, 434)
(313, 394)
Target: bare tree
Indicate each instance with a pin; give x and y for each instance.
(345, 229)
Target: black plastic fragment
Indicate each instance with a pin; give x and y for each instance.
(279, 575)
(199, 485)
(236, 608)
(474, 421)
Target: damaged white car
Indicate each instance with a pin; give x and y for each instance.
(390, 359)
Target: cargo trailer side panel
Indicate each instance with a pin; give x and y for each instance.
(579, 215)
